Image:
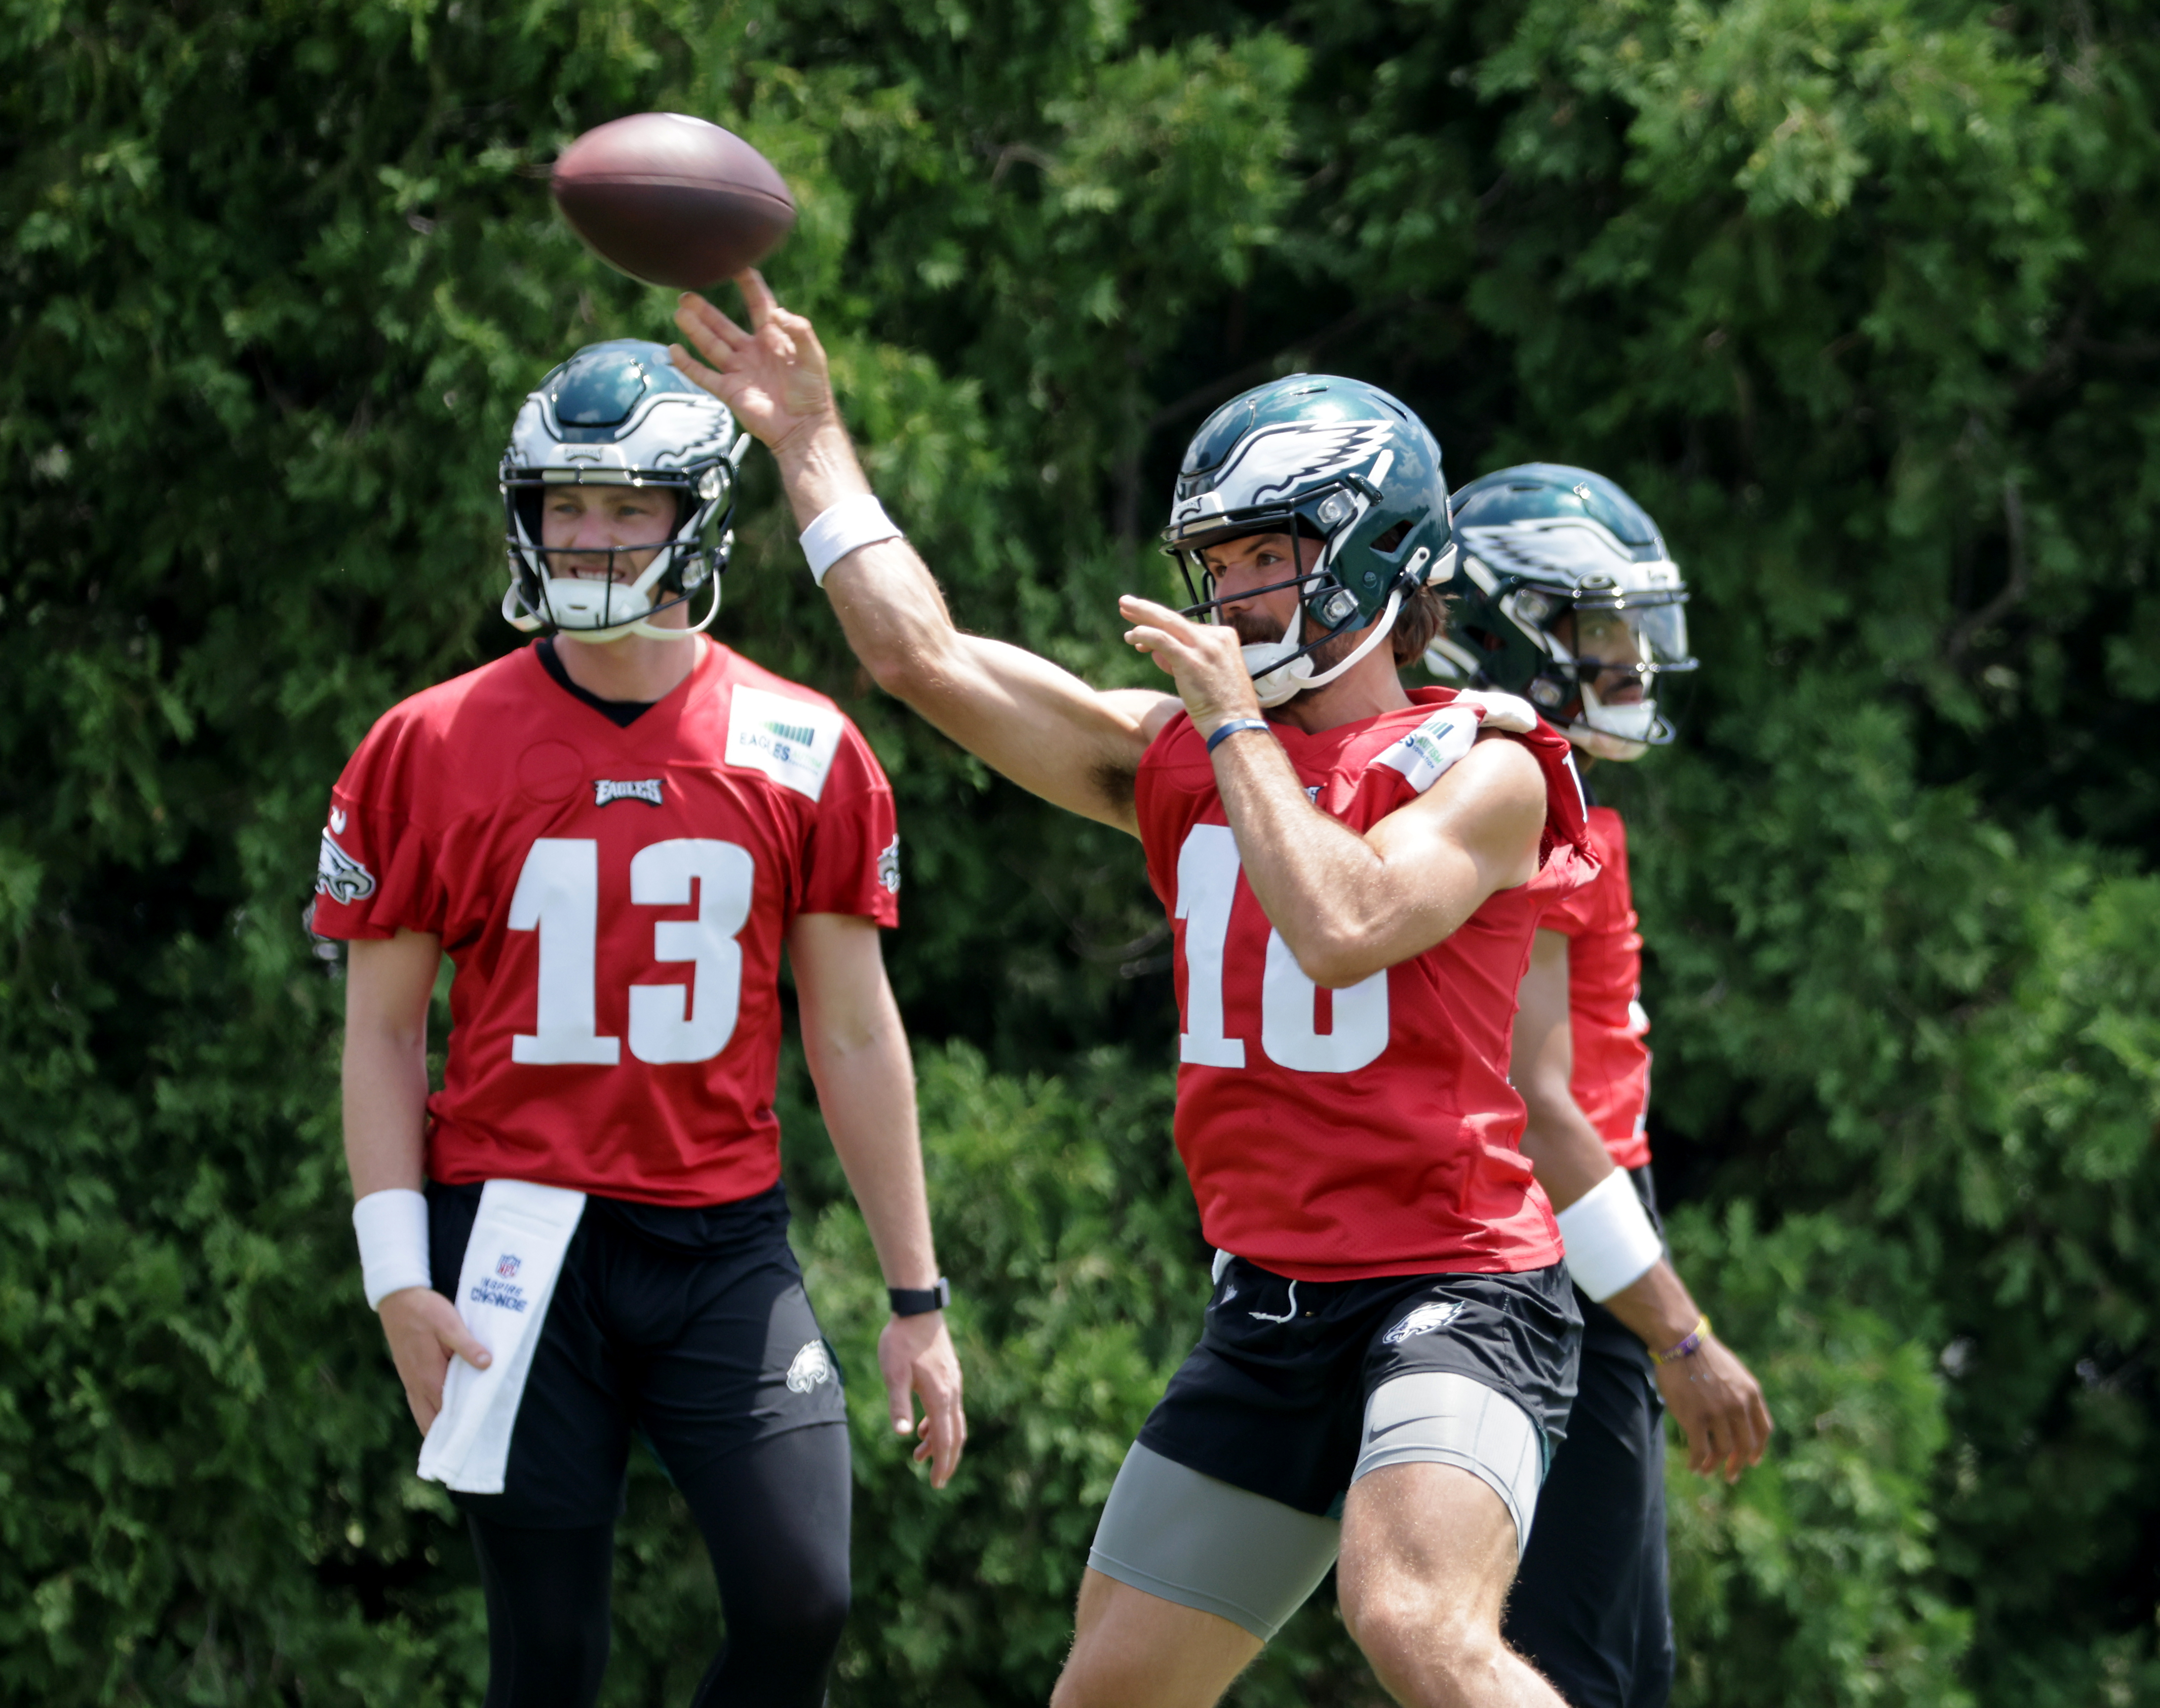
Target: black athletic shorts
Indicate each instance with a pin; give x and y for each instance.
(689, 1326)
(1273, 1399)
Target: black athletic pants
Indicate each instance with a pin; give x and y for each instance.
(690, 1326)
(775, 1518)
(1589, 1607)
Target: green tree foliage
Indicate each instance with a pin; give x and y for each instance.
(1855, 298)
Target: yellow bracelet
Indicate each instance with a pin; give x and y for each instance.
(1687, 1348)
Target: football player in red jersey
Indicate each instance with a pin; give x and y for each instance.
(1354, 881)
(614, 833)
(1568, 597)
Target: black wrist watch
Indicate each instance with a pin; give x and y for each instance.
(920, 1301)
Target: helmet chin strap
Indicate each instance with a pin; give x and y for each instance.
(1280, 671)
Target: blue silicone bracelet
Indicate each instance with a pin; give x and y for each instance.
(1227, 730)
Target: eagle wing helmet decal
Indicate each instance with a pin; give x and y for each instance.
(1278, 462)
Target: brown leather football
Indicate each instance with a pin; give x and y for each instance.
(672, 199)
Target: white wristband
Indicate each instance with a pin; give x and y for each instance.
(844, 527)
(1609, 1239)
(392, 1227)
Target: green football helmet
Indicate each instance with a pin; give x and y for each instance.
(1333, 459)
(620, 414)
(1568, 598)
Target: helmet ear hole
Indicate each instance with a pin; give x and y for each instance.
(1391, 541)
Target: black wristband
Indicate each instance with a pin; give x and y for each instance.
(920, 1301)
(1223, 732)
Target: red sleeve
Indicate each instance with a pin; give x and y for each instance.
(375, 875)
(852, 863)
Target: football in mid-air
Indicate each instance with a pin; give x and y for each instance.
(671, 199)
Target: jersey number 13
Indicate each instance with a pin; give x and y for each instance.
(558, 896)
(1207, 869)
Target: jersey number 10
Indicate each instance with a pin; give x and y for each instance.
(1207, 868)
(558, 896)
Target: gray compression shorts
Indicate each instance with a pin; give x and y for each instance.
(1194, 1540)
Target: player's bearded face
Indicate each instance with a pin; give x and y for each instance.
(580, 526)
(1261, 560)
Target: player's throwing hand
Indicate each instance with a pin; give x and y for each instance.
(775, 376)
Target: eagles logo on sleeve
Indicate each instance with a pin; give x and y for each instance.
(340, 877)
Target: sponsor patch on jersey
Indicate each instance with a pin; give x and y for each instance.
(791, 741)
(645, 789)
(810, 1365)
(889, 866)
(1426, 1319)
(340, 877)
(1428, 752)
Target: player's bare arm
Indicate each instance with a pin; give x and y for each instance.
(1714, 1397)
(857, 1052)
(387, 985)
(1348, 905)
(1042, 726)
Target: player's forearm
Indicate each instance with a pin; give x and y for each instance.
(888, 606)
(386, 1108)
(1659, 1308)
(1562, 1146)
(866, 1090)
(818, 467)
(1324, 887)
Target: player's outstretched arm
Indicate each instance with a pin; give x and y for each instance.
(388, 984)
(1038, 725)
(858, 1058)
(1714, 1398)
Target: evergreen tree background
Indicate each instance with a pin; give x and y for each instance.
(1857, 298)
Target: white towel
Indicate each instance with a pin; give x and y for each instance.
(504, 1289)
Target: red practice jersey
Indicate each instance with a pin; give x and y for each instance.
(614, 900)
(1606, 1025)
(1368, 1131)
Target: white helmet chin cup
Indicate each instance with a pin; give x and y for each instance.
(1274, 681)
(1615, 732)
(589, 607)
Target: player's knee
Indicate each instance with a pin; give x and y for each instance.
(1437, 1652)
(1096, 1682)
(810, 1617)
(1102, 1673)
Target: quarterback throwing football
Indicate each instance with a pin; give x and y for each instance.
(1354, 873)
(614, 833)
